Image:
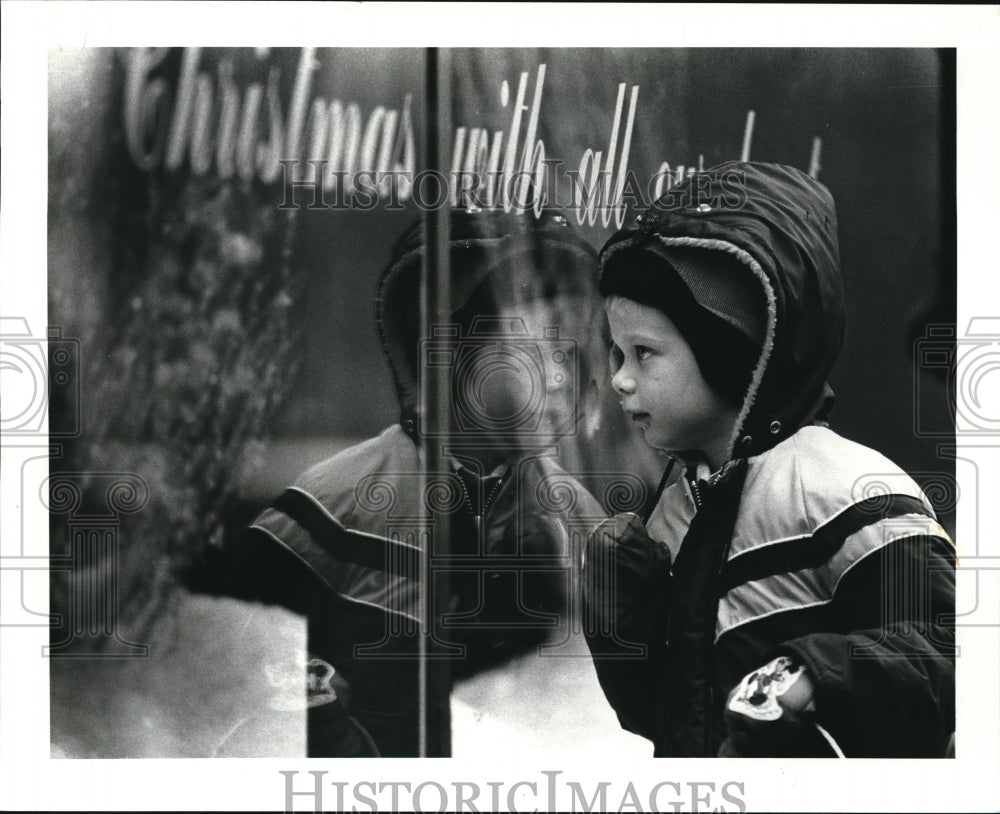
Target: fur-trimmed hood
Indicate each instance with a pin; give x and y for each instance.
(782, 225)
(481, 242)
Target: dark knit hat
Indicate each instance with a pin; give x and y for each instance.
(711, 297)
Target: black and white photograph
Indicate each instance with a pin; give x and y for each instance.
(588, 408)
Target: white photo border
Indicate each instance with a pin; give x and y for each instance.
(31, 780)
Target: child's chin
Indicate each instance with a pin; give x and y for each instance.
(654, 439)
(662, 443)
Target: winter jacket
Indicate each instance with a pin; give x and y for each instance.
(803, 543)
(343, 545)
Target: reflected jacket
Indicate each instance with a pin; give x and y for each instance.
(803, 543)
(343, 545)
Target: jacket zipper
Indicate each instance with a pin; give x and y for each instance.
(710, 730)
(696, 495)
(709, 733)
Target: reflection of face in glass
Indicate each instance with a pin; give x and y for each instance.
(557, 338)
(519, 377)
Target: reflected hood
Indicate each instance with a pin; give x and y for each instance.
(481, 242)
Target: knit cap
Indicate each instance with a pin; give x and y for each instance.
(712, 298)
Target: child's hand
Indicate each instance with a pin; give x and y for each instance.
(766, 711)
(625, 580)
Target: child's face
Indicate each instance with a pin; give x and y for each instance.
(658, 383)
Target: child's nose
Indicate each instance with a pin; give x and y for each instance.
(622, 382)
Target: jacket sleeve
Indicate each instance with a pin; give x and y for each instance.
(625, 591)
(254, 566)
(885, 685)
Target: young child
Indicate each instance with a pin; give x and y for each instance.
(770, 605)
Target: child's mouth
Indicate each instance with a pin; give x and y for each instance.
(639, 418)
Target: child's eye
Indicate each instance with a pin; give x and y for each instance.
(642, 353)
(615, 358)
